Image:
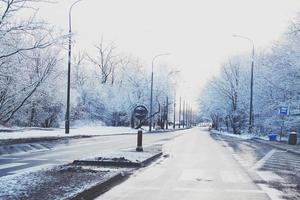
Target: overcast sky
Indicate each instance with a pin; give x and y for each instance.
(197, 33)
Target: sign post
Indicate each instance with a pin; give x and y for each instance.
(140, 112)
(283, 111)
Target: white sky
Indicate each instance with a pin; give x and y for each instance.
(197, 33)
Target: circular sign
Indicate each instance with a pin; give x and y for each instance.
(140, 112)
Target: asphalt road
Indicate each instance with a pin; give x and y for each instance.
(199, 167)
(74, 149)
(277, 168)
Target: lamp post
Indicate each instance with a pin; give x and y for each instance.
(151, 92)
(67, 117)
(179, 115)
(174, 116)
(251, 117)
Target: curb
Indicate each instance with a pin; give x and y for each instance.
(118, 164)
(101, 188)
(278, 147)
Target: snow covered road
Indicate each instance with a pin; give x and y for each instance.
(198, 168)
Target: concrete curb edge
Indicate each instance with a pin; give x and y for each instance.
(101, 187)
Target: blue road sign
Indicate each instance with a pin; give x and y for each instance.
(283, 110)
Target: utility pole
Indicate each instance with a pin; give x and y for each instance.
(179, 116)
(192, 121)
(251, 118)
(151, 91)
(183, 114)
(67, 117)
(167, 113)
(186, 110)
(174, 117)
(251, 115)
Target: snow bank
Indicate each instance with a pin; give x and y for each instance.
(241, 136)
(83, 130)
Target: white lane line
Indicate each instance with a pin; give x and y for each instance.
(7, 158)
(64, 160)
(10, 165)
(271, 192)
(32, 169)
(34, 159)
(262, 161)
(47, 156)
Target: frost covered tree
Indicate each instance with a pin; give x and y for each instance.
(26, 60)
(276, 83)
(229, 87)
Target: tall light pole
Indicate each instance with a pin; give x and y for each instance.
(179, 115)
(67, 118)
(174, 116)
(183, 114)
(151, 92)
(251, 117)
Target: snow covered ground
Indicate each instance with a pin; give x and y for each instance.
(83, 130)
(248, 135)
(241, 136)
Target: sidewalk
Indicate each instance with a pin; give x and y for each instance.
(281, 145)
(197, 168)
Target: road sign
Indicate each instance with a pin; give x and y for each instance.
(284, 110)
(140, 112)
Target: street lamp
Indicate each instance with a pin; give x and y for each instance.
(151, 92)
(174, 84)
(67, 118)
(251, 117)
(174, 115)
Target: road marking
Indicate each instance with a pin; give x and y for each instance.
(32, 169)
(7, 158)
(10, 165)
(271, 192)
(262, 161)
(48, 156)
(269, 176)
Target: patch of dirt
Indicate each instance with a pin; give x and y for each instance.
(118, 159)
(61, 182)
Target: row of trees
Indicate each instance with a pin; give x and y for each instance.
(225, 100)
(106, 85)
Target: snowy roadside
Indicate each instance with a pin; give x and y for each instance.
(244, 136)
(73, 181)
(81, 131)
(39, 139)
(36, 139)
(259, 138)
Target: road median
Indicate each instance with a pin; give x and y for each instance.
(82, 179)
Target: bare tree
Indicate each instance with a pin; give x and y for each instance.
(17, 36)
(106, 61)
(228, 87)
(17, 90)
